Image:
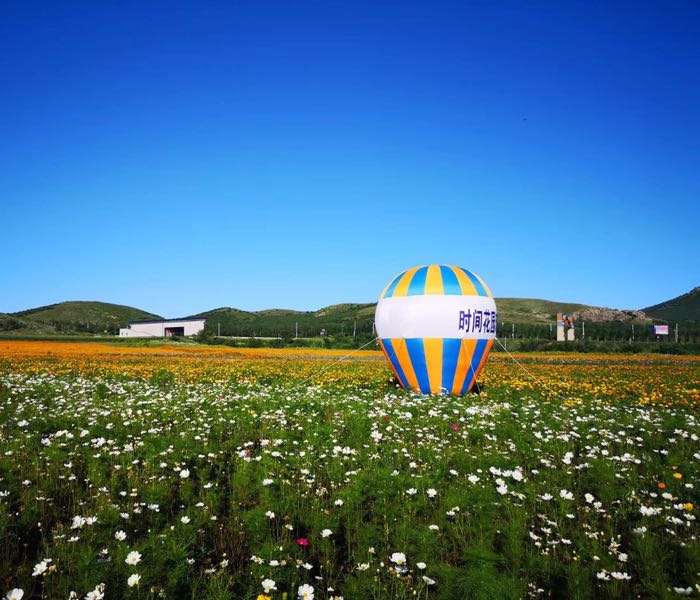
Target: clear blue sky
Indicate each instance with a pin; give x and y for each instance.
(184, 156)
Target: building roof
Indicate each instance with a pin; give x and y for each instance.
(167, 320)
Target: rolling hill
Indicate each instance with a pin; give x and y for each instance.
(338, 319)
(343, 319)
(682, 308)
(525, 310)
(75, 316)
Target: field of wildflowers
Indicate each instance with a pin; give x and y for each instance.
(209, 472)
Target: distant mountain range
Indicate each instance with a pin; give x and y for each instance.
(339, 319)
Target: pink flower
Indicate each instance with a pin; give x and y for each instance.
(302, 541)
(455, 427)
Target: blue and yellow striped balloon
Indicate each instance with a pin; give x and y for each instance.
(436, 325)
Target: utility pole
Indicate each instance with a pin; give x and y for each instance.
(583, 330)
(296, 329)
(354, 328)
(218, 329)
(676, 333)
(632, 331)
(513, 334)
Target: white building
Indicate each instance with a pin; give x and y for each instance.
(169, 328)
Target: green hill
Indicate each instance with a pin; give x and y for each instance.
(76, 316)
(682, 308)
(526, 310)
(532, 317)
(340, 319)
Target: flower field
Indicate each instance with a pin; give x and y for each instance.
(211, 472)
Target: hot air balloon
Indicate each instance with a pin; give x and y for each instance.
(436, 325)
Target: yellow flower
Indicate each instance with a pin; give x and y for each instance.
(263, 597)
(688, 506)
(677, 475)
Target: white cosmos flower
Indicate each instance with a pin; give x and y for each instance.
(133, 580)
(431, 492)
(268, 585)
(120, 535)
(473, 478)
(567, 495)
(133, 558)
(185, 473)
(602, 575)
(620, 576)
(326, 532)
(339, 502)
(15, 594)
(421, 565)
(185, 519)
(683, 591)
(398, 558)
(97, 593)
(411, 491)
(267, 482)
(41, 567)
(306, 592)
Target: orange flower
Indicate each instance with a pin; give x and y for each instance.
(662, 485)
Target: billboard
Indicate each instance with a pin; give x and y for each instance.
(660, 329)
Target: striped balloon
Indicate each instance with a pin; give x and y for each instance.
(436, 326)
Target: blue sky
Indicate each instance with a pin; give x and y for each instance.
(178, 157)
